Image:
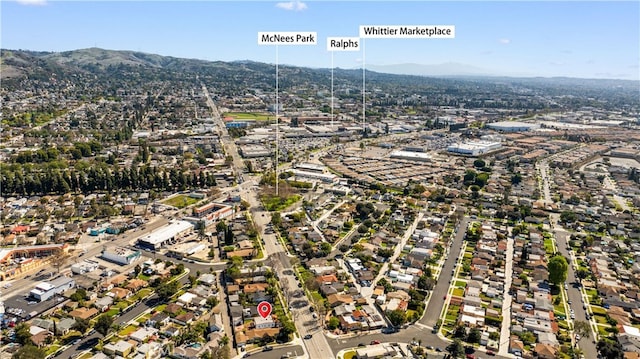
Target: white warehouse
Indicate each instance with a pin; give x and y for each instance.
(168, 234)
(46, 290)
(474, 148)
(120, 255)
(512, 126)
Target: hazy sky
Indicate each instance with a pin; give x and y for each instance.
(545, 38)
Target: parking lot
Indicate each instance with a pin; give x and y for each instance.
(20, 306)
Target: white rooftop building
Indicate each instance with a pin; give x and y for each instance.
(165, 235)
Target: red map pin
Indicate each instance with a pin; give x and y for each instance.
(264, 309)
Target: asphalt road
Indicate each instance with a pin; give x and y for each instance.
(436, 302)
(278, 352)
(574, 295)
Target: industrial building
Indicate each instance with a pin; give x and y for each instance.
(120, 255)
(186, 249)
(212, 211)
(168, 234)
(254, 151)
(474, 148)
(47, 290)
(328, 177)
(310, 167)
(512, 126)
(312, 171)
(84, 267)
(411, 156)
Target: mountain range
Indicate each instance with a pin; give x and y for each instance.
(15, 64)
(445, 69)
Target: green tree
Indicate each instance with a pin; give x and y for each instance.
(455, 348)
(397, 317)
(582, 328)
(81, 325)
(582, 273)
(385, 252)
(425, 282)
(29, 351)
(221, 227)
(474, 336)
(224, 340)
(103, 324)
(610, 349)
(568, 216)
(333, 323)
(287, 329)
(516, 178)
(212, 301)
(137, 270)
(166, 290)
(557, 268)
(79, 295)
(23, 335)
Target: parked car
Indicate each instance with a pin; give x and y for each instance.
(308, 336)
(373, 342)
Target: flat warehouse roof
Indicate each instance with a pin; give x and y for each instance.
(167, 232)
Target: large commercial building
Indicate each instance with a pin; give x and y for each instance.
(168, 234)
(324, 177)
(411, 156)
(213, 211)
(46, 290)
(9, 254)
(313, 171)
(120, 255)
(254, 151)
(512, 126)
(474, 148)
(186, 249)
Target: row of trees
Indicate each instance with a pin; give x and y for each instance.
(101, 178)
